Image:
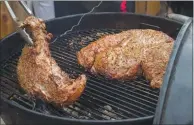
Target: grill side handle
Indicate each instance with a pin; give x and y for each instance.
(175, 101)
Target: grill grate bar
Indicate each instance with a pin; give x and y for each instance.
(15, 94)
(127, 113)
(13, 77)
(123, 93)
(14, 97)
(111, 103)
(21, 101)
(118, 97)
(109, 98)
(5, 91)
(8, 87)
(6, 81)
(117, 108)
(146, 85)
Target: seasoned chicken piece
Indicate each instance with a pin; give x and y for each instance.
(154, 62)
(127, 59)
(39, 74)
(87, 54)
(116, 63)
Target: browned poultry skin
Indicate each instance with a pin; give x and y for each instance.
(39, 74)
(116, 63)
(154, 62)
(87, 54)
(134, 54)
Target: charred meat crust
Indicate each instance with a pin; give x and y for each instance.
(38, 73)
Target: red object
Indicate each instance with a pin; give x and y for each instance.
(123, 6)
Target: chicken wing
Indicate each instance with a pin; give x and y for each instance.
(39, 74)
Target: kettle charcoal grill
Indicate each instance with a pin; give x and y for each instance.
(104, 101)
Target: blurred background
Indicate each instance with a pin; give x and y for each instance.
(52, 9)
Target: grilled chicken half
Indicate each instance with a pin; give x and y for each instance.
(144, 51)
(39, 74)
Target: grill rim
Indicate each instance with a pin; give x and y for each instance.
(83, 120)
(97, 13)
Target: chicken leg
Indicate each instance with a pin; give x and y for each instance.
(39, 74)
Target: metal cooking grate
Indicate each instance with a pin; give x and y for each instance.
(102, 98)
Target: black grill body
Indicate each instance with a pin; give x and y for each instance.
(103, 101)
(175, 103)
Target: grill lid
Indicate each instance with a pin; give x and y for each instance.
(175, 102)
